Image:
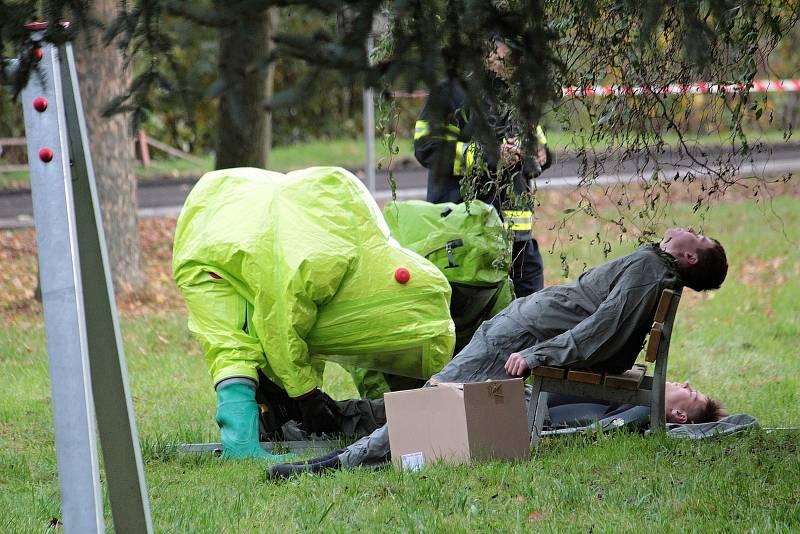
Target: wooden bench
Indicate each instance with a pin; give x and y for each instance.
(631, 387)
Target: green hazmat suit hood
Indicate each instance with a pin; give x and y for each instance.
(318, 275)
(470, 244)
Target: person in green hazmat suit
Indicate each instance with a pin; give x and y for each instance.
(281, 273)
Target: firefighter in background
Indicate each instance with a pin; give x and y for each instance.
(446, 143)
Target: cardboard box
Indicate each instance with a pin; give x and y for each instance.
(457, 422)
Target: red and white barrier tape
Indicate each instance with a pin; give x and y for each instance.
(759, 86)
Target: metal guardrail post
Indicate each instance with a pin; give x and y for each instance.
(86, 359)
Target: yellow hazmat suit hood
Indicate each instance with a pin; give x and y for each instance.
(309, 258)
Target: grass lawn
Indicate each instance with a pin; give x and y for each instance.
(738, 344)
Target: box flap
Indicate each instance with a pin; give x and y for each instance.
(496, 417)
(455, 385)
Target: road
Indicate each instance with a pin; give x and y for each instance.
(165, 197)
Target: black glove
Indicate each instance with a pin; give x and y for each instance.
(319, 412)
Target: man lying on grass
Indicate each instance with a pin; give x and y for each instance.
(597, 322)
(683, 404)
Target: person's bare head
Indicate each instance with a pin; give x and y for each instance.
(701, 260)
(684, 404)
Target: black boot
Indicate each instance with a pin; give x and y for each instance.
(316, 465)
(328, 456)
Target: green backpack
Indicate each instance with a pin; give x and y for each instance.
(470, 244)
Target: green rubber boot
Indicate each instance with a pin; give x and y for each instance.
(237, 417)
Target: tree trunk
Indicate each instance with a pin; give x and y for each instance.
(242, 117)
(102, 76)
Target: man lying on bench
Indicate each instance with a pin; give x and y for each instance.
(597, 322)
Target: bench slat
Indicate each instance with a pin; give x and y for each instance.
(549, 372)
(663, 305)
(654, 342)
(584, 377)
(630, 379)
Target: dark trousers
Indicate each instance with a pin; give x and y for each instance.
(527, 270)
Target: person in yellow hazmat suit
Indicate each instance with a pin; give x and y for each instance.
(282, 272)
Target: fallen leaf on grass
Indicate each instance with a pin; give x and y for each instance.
(534, 517)
(760, 272)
